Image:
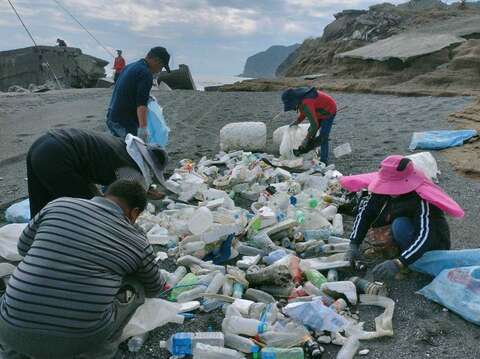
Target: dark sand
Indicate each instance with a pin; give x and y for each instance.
(375, 125)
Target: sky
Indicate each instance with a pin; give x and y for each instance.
(213, 37)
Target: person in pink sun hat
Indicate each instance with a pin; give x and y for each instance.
(403, 198)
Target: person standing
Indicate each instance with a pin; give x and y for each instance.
(61, 43)
(127, 112)
(319, 109)
(85, 271)
(118, 65)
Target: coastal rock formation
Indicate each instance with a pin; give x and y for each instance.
(49, 64)
(265, 63)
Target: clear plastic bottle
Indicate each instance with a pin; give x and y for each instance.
(259, 296)
(136, 343)
(204, 351)
(237, 342)
(315, 277)
(227, 288)
(238, 289)
(183, 343)
(245, 326)
(176, 276)
(279, 353)
(215, 284)
(322, 233)
(274, 256)
(188, 282)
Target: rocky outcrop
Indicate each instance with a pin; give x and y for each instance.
(47, 64)
(265, 63)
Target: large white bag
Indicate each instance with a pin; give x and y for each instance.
(247, 136)
(425, 162)
(9, 236)
(292, 139)
(278, 133)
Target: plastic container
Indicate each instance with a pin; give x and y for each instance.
(136, 343)
(176, 276)
(237, 342)
(342, 150)
(201, 221)
(245, 326)
(259, 296)
(204, 351)
(315, 277)
(279, 353)
(183, 343)
(337, 225)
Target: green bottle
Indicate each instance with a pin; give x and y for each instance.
(315, 277)
(188, 282)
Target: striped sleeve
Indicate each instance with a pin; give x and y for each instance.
(26, 238)
(422, 234)
(149, 274)
(368, 210)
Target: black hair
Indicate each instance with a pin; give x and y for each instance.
(130, 192)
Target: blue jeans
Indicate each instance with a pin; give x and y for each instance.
(323, 138)
(118, 130)
(403, 231)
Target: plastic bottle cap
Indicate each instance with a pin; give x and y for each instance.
(163, 344)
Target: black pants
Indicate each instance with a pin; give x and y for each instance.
(18, 343)
(51, 174)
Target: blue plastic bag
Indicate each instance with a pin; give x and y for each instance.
(434, 262)
(437, 140)
(156, 125)
(457, 289)
(18, 212)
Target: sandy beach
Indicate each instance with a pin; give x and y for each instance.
(374, 125)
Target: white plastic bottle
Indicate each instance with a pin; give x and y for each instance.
(204, 351)
(245, 326)
(237, 342)
(181, 344)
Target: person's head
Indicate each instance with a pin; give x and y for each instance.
(293, 97)
(157, 59)
(130, 196)
(119, 52)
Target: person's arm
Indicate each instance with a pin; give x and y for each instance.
(309, 112)
(368, 210)
(423, 233)
(28, 235)
(149, 274)
(142, 116)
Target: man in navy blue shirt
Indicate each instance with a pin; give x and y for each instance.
(127, 112)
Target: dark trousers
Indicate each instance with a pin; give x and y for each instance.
(18, 343)
(51, 174)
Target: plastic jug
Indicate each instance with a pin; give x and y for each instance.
(184, 343)
(204, 351)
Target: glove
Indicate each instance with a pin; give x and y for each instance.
(386, 270)
(143, 134)
(353, 252)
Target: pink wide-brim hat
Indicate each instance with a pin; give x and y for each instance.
(393, 181)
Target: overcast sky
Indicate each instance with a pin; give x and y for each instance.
(214, 37)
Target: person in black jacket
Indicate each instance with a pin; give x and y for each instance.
(70, 162)
(411, 204)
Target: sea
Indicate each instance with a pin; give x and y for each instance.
(202, 81)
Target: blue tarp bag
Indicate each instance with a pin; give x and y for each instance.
(437, 140)
(18, 212)
(156, 124)
(434, 262)
(457, 289)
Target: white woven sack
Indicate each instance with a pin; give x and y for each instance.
(247, 136)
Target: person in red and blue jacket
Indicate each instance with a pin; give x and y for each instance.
(319, 109)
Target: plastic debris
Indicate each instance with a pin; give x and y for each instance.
(247, 136)
(18, 212)
(437, 140)
(9, 236)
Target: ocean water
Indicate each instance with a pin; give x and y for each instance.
(202, 81)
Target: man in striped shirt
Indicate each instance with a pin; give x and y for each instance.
(63, 300)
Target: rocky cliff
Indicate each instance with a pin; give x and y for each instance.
(32, 66)
(265, 63)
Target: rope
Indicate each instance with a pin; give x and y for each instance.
(83, 27)
(35, 43)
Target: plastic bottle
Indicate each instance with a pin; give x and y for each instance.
(240, 343)
(286, 243)
(277, 274)
(136, 343)
(315, 277)
(201, 220)
(245, 250)
(227, 287)
(238, 289)
(278, 291)
(203, 351)
(294, 267)
(322, 233)
(259, 296)
(335, 248)
(183, 343)
(332, 275)
(337, 225)
(274, 256)
(215, 284)
(372, 288)
(187, 283)
(279, 353)
(176, 276)
(311, 289)
(263, 241)
(245, 326)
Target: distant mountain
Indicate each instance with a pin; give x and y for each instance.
(265, 63)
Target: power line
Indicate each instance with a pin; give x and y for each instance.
(83, 27)
(35, 43)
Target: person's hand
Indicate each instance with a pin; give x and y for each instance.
(353, 253)
(155, 194)
(386, 270)
(143, 134)
(294, 123)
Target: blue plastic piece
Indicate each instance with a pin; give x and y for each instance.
(437, 140)
(156, 125)
(457, 289)
(18, 212)
(434, 262)
(274, 256)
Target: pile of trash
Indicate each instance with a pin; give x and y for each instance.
(260, 238)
